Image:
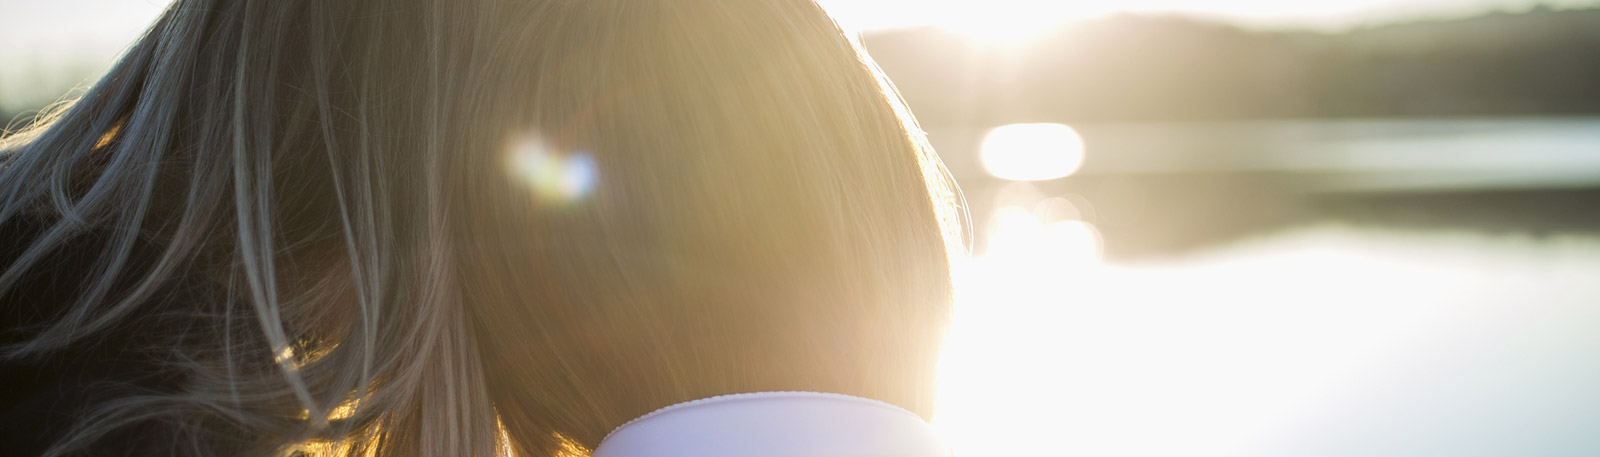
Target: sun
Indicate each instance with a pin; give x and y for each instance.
(1011, 21)
(997, 21)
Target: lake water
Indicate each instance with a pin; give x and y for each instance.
(1320, 341)
(1326, 339)
(1362, 154)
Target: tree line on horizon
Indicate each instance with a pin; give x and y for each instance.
(1133, 68)
(1142, 68)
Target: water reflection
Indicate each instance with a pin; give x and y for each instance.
(1019, 237)
(1032, 152)
(1323, 341)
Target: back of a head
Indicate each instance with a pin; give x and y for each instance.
(442, 227)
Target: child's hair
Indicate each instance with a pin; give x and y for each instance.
(468, 227)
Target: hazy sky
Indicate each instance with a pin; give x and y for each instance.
(1322, 14)
(44, 42)
(71, 25)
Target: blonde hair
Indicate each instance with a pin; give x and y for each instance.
(323, 187)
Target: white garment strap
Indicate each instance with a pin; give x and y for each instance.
(776, 424)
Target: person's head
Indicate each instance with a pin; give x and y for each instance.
(549, 216)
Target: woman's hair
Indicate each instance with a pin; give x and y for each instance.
(469, 227)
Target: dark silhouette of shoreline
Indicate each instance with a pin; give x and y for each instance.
(1131, 68)
(1152, 70)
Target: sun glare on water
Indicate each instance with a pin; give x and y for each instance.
(1053, 352)
(1243, 349)
(1032, 152)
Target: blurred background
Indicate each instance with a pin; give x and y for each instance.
(1217, 228)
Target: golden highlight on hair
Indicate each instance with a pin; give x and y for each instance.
(304, 210)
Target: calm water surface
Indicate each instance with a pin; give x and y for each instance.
(1368, 154)
(1325, 340)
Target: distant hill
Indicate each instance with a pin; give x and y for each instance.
(1153, 68)
(1156, 68)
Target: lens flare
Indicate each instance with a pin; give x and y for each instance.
(554, 175)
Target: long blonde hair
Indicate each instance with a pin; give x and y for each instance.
(473, 227)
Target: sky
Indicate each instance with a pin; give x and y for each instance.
(45, 43)
(1319, 14)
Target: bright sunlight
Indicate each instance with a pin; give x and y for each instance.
(1010, 21)
(1032, 152)
(1240, 352)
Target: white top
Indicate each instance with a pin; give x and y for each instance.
(776, 424)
